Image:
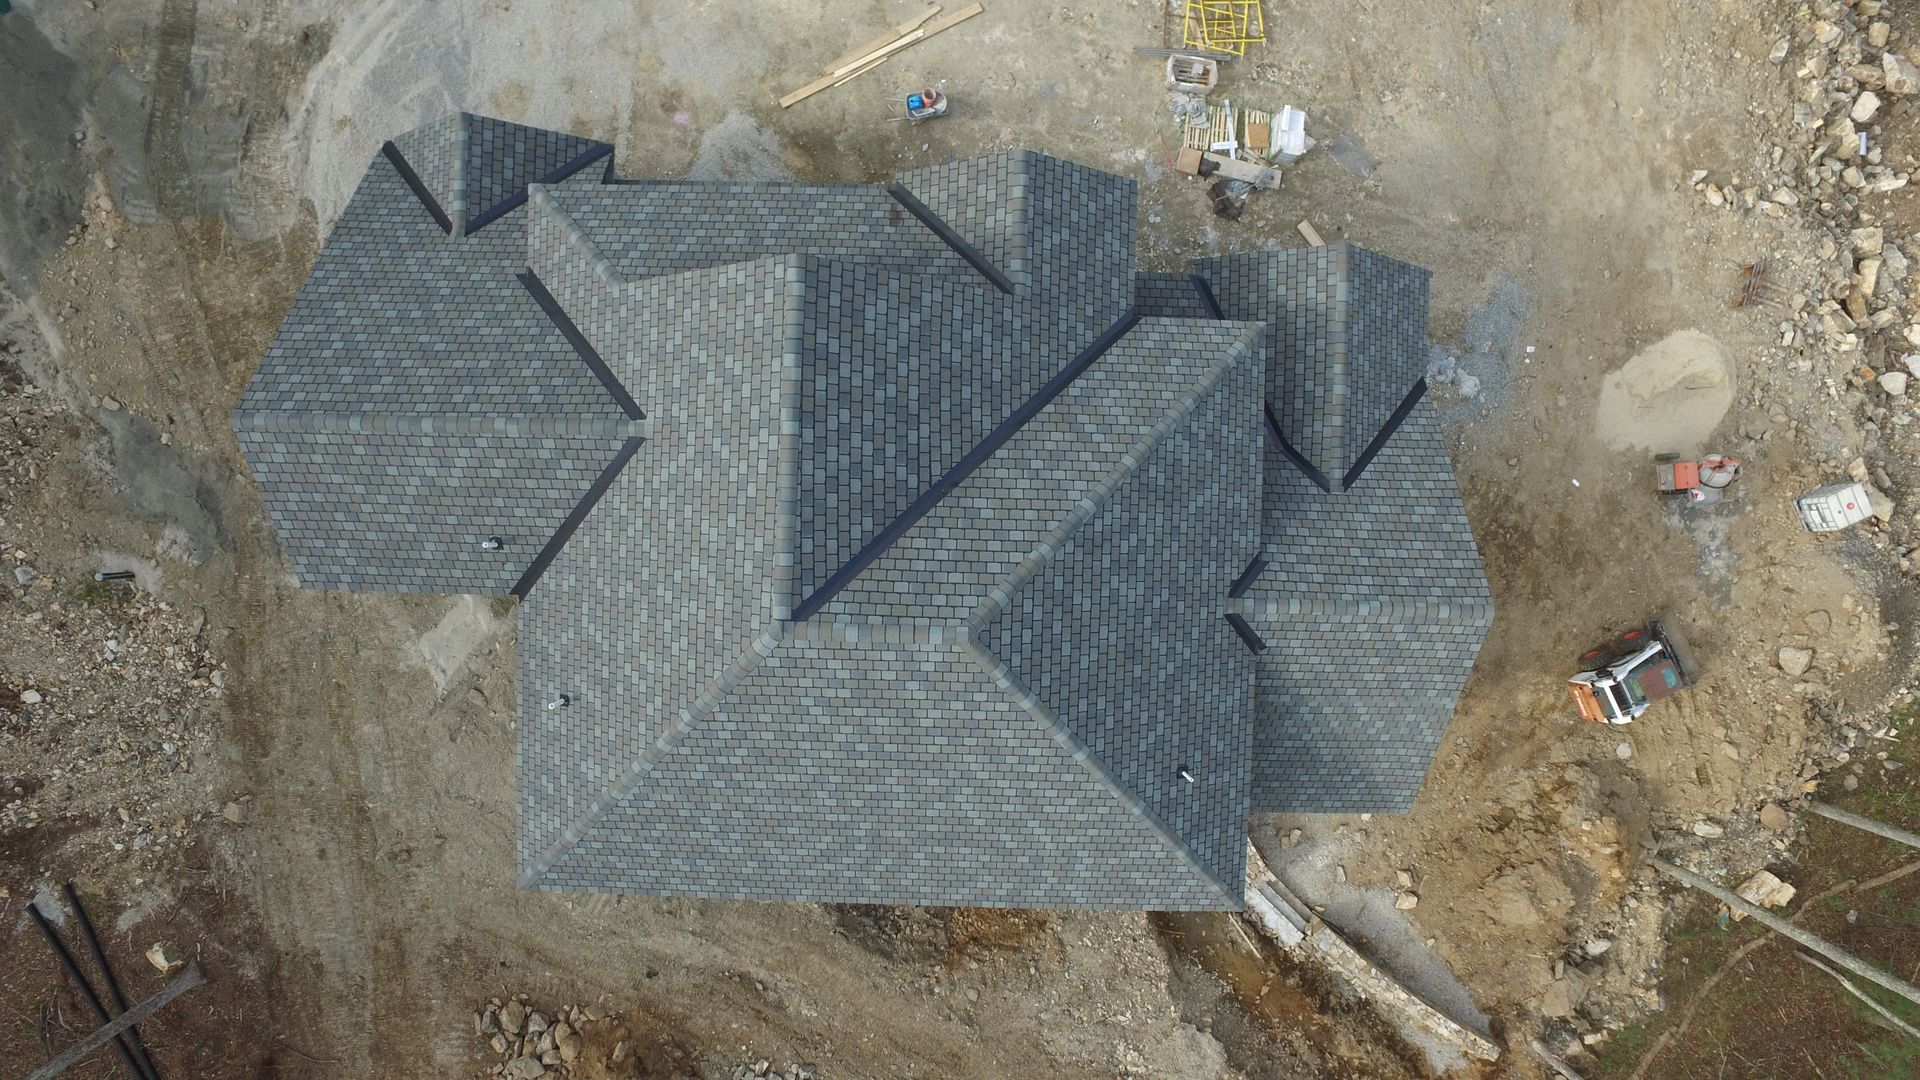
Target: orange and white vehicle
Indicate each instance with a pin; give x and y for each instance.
(1621, 680)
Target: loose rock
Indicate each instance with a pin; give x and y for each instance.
(1774, 818)
(1794, 660)
(525, 1068)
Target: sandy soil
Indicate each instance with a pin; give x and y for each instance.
(170, 177)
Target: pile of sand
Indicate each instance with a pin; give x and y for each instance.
(1669, 397)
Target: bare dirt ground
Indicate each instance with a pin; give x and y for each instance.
(328, 825)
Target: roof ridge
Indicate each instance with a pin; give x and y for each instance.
(1373, 607)
(968, 464)
(998, 598)
(679, 727)
(458, 211)
(533, 425)
(539, 200)
(786, 540)
(1009, 683)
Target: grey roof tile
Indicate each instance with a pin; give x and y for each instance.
(884, 774)
(1374, 606)
(713, 399)
(1122, 632)
(1349, 328)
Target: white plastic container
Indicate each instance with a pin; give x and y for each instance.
(1834, 507)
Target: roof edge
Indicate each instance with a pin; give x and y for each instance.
(478, 425)
(1028, 703)
(998, 598)
(637, 770)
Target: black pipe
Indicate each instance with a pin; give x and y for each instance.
(86, 988)
(106, 973)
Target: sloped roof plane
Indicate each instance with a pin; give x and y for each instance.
(887, 544)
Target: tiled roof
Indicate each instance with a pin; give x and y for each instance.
(879, 773)
(1120, 632)
(1349, 329)
(1373, 605)
(649, 229)
(1172, 296)
(875, 542)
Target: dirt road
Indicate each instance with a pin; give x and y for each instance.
(172, 174)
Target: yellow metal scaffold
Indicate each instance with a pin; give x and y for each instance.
(1227, 26)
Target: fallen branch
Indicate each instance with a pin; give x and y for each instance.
(1781, 926)
(1740, 954)
(1897, 1023)
(1865, 824)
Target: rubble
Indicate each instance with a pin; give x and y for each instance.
(534, 1043)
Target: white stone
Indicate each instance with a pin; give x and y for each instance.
(30, 697)
(1902, 76)
(1865, 107)
(1406, 901)
(1708, 830)
(1765, 890)
(1895, 383)
(1794, 660)
(1623, 751)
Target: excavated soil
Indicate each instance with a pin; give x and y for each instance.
(173, 164)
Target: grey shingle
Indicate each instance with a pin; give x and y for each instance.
(1350, 329)
(686, 407)
(1374, 605)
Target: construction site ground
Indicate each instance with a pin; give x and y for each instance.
(312, 793)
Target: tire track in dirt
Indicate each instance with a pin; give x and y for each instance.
(172, 79)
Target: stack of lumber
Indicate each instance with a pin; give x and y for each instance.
(854, 64)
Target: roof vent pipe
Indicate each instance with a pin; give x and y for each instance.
(1186, 774)
(492, 543)
(559, 701)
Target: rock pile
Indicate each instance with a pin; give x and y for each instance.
(1848, 310)
(535, 1043)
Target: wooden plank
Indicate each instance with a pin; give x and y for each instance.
(862, 70)
(1313, 235)
(806, 91)
(831, 80)
(882, 41)
(878, 53)
(1188, 160)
